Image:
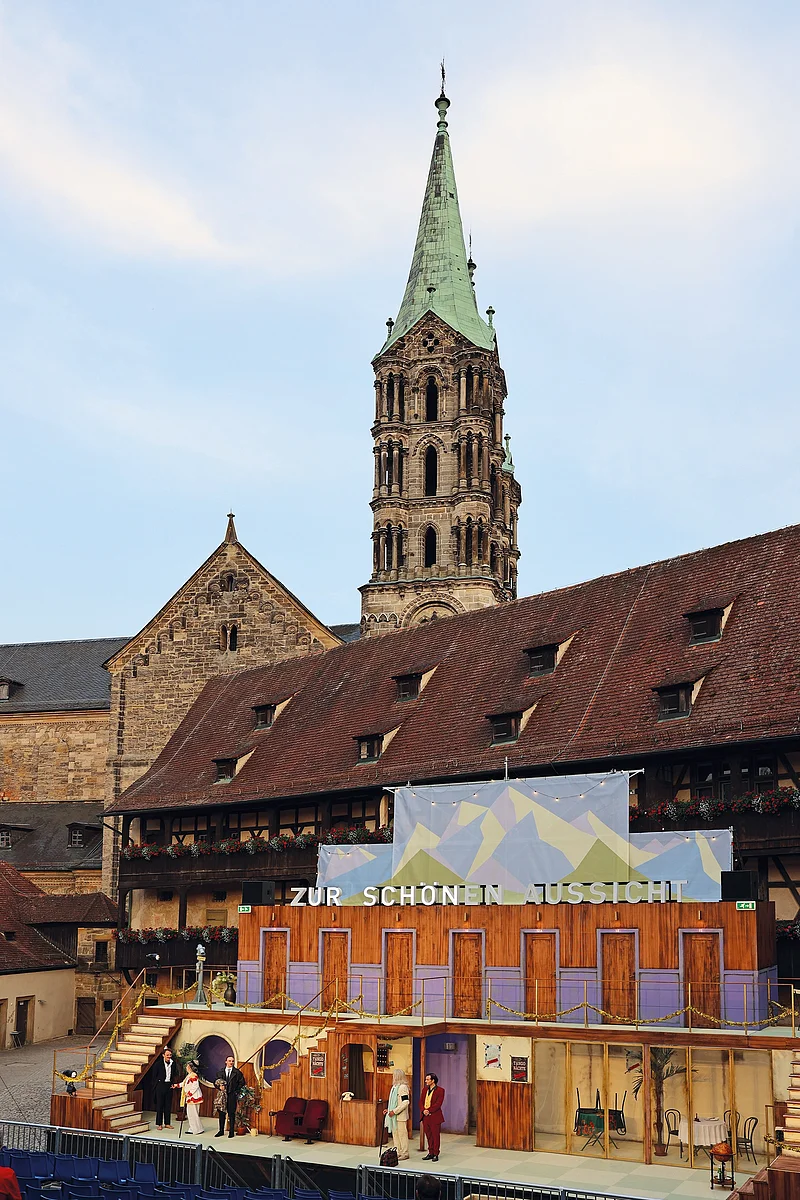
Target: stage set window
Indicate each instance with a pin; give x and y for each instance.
(357, 1071)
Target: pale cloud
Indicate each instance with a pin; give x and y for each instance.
(54, 155)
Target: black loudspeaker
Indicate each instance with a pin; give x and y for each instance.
(258, 891)
(739, 885)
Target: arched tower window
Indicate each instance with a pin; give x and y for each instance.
(493, 566)
(430, 546)
(389, 546)
(469, 535)
(470, 458)
(401, 399)
(233, 637)
(470, 386)
(223, 637)
(431, 471)
(390, 397)
(431, 400)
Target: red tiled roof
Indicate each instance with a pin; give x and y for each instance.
(630, 635)
(86, 909)
(27, 950)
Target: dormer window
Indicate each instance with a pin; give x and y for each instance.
(542, 659)
(5, 839)
(408, 686)
(75, 837)
(674, 701)
(264, 715)
(705, 626)
(505, 727)
(7, 686)
(370, 747)
(226, 769)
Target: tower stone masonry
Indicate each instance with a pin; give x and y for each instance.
(445, 499)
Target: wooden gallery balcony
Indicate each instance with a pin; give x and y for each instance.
(217, 869)
(175, 952)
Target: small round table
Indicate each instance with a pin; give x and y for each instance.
(705, 1131)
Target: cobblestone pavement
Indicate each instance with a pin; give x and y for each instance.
(26, 1077)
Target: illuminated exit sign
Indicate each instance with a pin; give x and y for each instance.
(745, 905)
(246, 908)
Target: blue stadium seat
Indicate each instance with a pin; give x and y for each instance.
(87, 1189)
(85, 1168)
(64, 1167)
(113, 1170)
(145, 1173)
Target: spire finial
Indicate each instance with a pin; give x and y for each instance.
(490, 315)
(442, 104)
(230, 532)
(471, 264)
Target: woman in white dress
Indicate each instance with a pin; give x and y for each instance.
(396, 1119)
(192, 1098)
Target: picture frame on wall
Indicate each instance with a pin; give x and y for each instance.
(318, 1061)
(519, 1068)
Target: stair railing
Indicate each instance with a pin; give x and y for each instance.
(107, 1036)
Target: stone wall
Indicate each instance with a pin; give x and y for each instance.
(159, 674)
(66, 883)
(53, 756)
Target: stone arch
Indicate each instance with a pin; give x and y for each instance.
(429, 545)
(431, 471)
(421, 612)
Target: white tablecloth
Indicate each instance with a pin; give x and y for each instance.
(708, 1131)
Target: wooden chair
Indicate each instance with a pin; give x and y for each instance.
(672, 1119)
(744, 1143)
(731, 1119)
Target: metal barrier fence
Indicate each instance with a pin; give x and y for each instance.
(394, 1184)
(175, 1162)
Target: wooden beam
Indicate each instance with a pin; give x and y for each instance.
(787, 879)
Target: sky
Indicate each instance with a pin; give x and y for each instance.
(207, 213)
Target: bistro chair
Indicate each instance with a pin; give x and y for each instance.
(731, 1119)
(744, 1143)
(672, 1120)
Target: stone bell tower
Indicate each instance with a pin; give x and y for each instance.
(445, 498)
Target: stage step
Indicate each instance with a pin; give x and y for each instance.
(109, 1096)
(118, 1110)
(143, 1127)
(123, 1124)
(790, 1121)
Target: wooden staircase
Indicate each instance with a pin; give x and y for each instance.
(791, 1122)
(117, 1105)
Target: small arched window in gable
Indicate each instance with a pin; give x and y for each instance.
(431, 400)
(228, 583)
(223, 637)
(233, 638)
(430, 546)
(431, 471)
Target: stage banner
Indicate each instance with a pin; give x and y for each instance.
(551, 830)
(698, 856)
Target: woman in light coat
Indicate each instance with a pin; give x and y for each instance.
(396, 1118)
(192, 1097)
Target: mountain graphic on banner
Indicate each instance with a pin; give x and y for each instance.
(601, 864)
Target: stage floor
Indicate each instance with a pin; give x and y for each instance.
(460, 1156)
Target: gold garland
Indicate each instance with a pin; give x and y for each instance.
(90, 1068)
(565, 1012)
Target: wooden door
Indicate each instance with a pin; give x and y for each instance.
(618, 961)
(701, 969)
(21, 1022)
(467, 975)
(540, 975)
(399, 972)
(276, 949)
(85, 1015)
(334, 968)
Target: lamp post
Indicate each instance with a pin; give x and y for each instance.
(200, 996)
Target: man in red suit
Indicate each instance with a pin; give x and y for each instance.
(430, 1107)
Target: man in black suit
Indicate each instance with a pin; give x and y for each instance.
(165, 1079)
(233, 1079)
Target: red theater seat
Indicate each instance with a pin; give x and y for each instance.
(314, 1119)
(290, 1119)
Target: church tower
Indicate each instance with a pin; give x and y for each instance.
(445, 499)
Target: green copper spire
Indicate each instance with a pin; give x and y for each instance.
(440, 277)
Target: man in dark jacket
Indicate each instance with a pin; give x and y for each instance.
(165, 1078)
(234, 1081)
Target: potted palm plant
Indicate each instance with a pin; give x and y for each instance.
(662, 1068)
(247, 1106)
